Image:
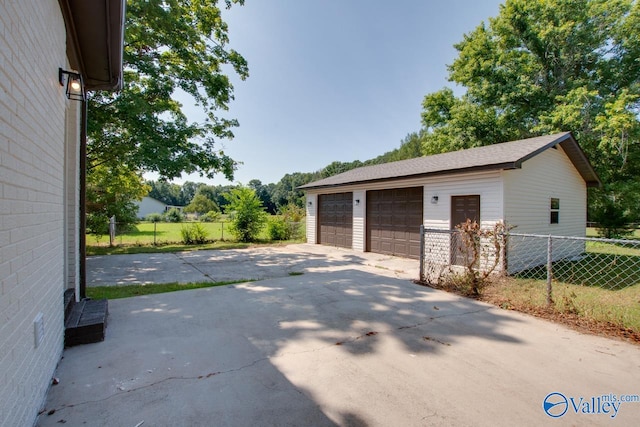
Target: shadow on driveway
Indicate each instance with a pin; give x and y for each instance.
(342, 344)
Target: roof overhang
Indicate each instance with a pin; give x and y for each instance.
(575, 154)
(459, 171)
(95, 40)
(564, 140)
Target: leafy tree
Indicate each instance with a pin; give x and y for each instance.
(112, 192)
(188, 192)
(171, 47)
(201, 205)
(544, 67)
(216, 194)
(247, 213)
(286, 190)
(410, 147)
(166, 192)
(336, 168)
(264, 194)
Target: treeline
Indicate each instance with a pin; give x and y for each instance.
(274, 196)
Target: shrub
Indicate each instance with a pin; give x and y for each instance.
(194, 234)
(173, 215)
(278, 229)
(613, 222)
(153, 217)
(211, 216)
(481, 250)
(247, 213)
(292, 215)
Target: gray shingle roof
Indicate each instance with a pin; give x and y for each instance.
(507, 155)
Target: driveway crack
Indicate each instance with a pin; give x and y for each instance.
(442, 316)
(192, 265)
(155, 383)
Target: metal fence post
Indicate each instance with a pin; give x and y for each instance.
(421, 252)
(112, 230)
(549, 270)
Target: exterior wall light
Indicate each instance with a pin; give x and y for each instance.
(434, 200)
(357, 202)
(75, 85)
(310, 203)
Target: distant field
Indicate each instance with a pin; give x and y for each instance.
(148, 237)
(164, 233)
(593, 232)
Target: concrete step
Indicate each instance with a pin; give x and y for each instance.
(86, 323)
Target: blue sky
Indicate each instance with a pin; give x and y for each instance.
(336, 79)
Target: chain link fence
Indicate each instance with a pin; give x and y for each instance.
(163, 233)
(611, 264)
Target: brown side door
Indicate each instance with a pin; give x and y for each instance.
(462, 208)
(335, 219)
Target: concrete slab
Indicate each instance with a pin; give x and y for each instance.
(236, 264)
(345, 343)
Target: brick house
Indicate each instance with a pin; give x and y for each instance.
(41, 138)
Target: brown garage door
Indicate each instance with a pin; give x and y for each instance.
(335, 219)
(393, 221)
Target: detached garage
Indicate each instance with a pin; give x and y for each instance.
(536, 184)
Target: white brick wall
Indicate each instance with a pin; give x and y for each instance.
(32, 202)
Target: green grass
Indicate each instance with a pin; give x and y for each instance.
(593, 232)
(168, 238)
(165, 233)
(165, 248)
(126, 291)
(604, 285)
(620, 307)
(605, 265)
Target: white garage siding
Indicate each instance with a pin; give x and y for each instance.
(488, 185)
(359, 220)
(528, 193)
(312, 209)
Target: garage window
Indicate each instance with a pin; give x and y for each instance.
(554, 211)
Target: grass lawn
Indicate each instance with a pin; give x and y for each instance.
(147, 237)
(593, 232)
(126, 291)
(164, 233)
(603, 286)
(620, 307)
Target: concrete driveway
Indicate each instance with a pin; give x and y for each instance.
(349, 342)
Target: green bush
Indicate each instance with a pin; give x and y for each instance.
(278, 229)
(211, 216)
(194, 234)
(153, 217)
(173, 215)
(247, 213)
